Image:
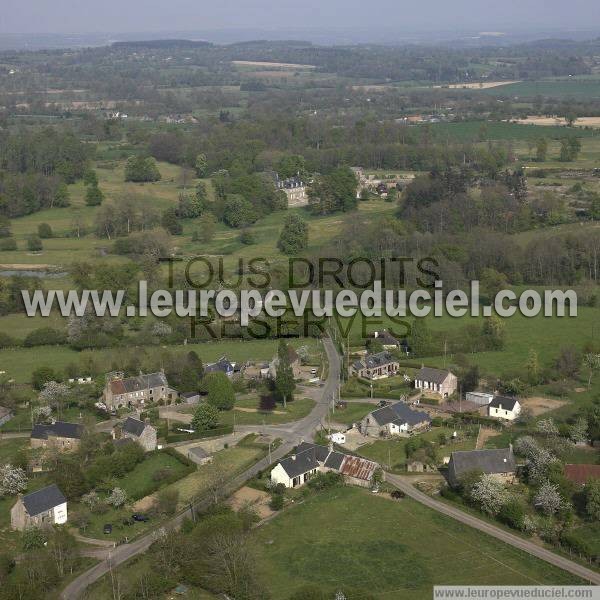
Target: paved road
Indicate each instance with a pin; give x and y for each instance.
(406, 486)
(290, 435)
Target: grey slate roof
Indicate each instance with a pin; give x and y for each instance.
(134, 426)
(498, 460)
(399, 413)
(335, 460)
(43, 500)
(198, 452)
(41, 431)
(507, 402)
(299, 463)
(432, 375)
(372, 361)
(386, 338)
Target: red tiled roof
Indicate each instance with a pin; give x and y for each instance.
(582, 473)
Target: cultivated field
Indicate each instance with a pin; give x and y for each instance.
(560, 121)
(481, 85)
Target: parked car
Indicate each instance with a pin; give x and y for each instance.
(140, 518)
(107, 529)
(398, 495)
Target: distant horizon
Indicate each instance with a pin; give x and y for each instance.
(319, 36)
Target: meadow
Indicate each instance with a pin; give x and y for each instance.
(390, 549)
(580, 88)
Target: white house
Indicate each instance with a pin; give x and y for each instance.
(504, 407)
(309, 459)
(45, 507)
(437, 381)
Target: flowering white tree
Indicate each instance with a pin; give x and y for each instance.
(547, 427)
(538, 458)
(91, 499)
(579, 431)
(490, 494)
(161, 329)
(117, 497)
(592, 362)
(54, 394)
(13, 480)
(548, 499)
(41, 413)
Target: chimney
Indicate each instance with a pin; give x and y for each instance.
(293, 457)
(510, 448)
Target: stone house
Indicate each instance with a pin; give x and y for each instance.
(43, 508)
(59, 435)
(120, 391)
(376, 366)
(139, 431)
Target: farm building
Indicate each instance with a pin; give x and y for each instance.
(121, 391)
(442, 383)
(60, 435)
(479, 398)
(499, 462)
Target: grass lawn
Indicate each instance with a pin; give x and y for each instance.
(353, 412)
(229, 461)
(140, 482)
(389, 549)
(10, 448)
(295, 410)
(393, 451)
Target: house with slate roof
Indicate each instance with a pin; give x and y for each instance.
(499, 462)
(43, 508)
(121, 391)
(309, 459)
(437, 381)
(60, 435)
(138, 431)
(396, 419)
(504, 407)
(221, 366)
(376, 366)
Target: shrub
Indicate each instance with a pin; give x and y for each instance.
(34, 244)
(44, 336)
(45, 231)
(323, 481)
(8, 244)
(277, 502)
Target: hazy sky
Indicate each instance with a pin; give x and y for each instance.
(84, 16)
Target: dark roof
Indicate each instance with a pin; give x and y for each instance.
(222, 365)
(41, 431)
(198, 452)
(335, 460)
(4, 412)
(432, 375)
(498, 460)
(507, 402)
(581, 474)
(386, 338)
(399, 413)
(320, 452)
(190, 394)
(43, 500)
(123, 442)
(134, 426)
(372, 361)
(299, 463)
(136, 384)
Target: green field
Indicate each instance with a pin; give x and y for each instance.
(20, 362)
(392, 453)
(349, 537)
(495, 130)
(579, 88)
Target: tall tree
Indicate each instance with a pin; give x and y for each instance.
(284, 375)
